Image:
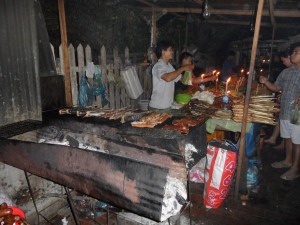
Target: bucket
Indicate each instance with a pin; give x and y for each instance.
(143, 104)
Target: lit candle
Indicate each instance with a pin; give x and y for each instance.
(217, 84)
(217, 74)
(242, 72)
(228, 80)
(202, 76)
(214, 72)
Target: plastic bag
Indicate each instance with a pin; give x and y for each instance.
(253, 180)
(187, 78)
(86, 96)
(99, 87)
(196, 174)
(219, 172)
(87, 92)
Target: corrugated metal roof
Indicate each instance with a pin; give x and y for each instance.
(19, 62)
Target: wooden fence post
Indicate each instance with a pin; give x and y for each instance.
(103, 67)
(61, 59)
(73, 75)
(88, 55)
(80, 58)
(117, 72)
(127, 59)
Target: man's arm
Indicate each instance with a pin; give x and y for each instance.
(269, 85)
(173, 75)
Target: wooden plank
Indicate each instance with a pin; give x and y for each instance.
(232, 12)
(88, 54)
(111, 92)
(127, 59)
(103, 69)
(153, 30)
(241, 160)
(117, 72)
(156, 7)
(116, 61)
(73, 75)
(64, 42)
(103, 62)
(80, 57)
(61, 61)
(246, 23)
(123, 97)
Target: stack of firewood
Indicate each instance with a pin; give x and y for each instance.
(261, 110)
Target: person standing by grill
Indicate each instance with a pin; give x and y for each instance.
(164, 77)
(286, 61)
(289, 81)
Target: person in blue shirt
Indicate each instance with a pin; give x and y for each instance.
(228, 65)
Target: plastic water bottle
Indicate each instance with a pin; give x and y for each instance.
(225, 101)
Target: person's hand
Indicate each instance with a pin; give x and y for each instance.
(189, 67)
(6, 215)
(263, 79)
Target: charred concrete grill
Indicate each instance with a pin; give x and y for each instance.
(139, 169)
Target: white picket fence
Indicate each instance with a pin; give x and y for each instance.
(80, 57)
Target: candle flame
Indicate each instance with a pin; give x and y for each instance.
(202, 76)
(242, 70)
(218, 73)
(214, 72)
(228, 80)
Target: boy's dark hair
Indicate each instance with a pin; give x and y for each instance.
(163, 45)
(184, 55)
(285, 53)
(293, 46)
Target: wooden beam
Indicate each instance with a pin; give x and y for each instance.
(242, 159)
(64, 44)
(200, 2)
(232, 12)
(153, 30)
(156, 7)
(246, 23)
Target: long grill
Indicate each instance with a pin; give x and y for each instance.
(14, 129)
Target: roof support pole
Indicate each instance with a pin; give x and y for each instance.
(242, 158)
(153, 29)
(64, 44)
